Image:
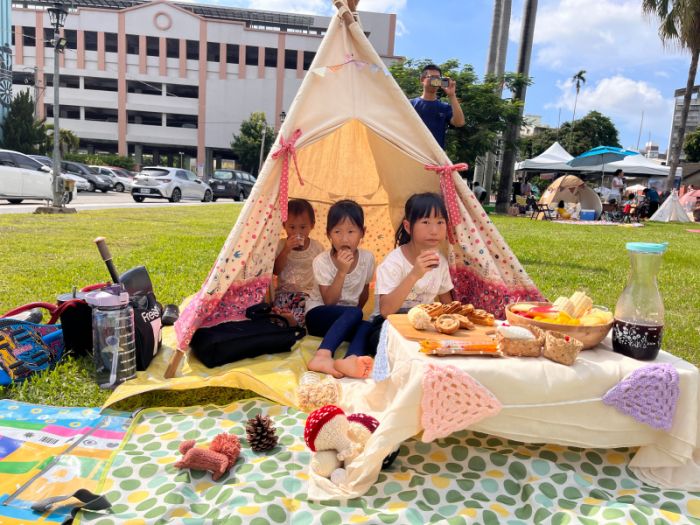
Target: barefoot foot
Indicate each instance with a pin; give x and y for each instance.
(323, 362)
(355, 366)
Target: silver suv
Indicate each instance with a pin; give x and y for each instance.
(174, 184)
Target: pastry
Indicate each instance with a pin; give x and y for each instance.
(434, 310)
(561, 348)
(466, 309)
(482, 317)
(452, 308)
(464, 322)
(519, 340)
(447, 324)
(419, 318)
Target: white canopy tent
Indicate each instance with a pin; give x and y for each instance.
(554, 158)
(633, 166)
(671, 211)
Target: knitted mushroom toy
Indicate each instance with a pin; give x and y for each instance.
(362, 426)
(327, 429)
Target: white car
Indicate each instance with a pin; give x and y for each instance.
(120, 177)
(174, 184)
(22, 178)
(80, 183)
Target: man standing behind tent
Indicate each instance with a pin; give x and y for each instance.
(435, 113)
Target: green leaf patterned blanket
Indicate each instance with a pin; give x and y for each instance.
(465, 478)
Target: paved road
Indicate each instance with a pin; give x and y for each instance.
(101, 201)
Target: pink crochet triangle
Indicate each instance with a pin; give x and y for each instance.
(453, 400)
(649, 395)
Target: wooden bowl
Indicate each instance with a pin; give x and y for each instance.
(590, 336)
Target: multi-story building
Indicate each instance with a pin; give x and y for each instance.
(693, 121)
(163, 78)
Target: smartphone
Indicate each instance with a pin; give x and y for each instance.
(440, 82)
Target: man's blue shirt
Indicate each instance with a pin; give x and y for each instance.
(436, 115)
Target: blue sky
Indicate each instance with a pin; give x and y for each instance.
(628, 69)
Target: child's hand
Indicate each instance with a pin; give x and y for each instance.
(344, 259)
(426, 261)
(294, 242)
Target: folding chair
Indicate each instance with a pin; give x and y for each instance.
(545, 210)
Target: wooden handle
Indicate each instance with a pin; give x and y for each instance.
(103, 248)
(174, 364)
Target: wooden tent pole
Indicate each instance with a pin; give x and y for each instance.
(345, 7)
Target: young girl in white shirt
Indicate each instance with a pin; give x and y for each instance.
(334, 308)
(415, 272)
(293, 262)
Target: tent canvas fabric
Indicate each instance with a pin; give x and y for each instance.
(570, 188)
(689, 200)
(671, 211)
(554, 158)
(352, 133)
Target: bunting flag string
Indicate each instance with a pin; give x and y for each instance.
(286, 150)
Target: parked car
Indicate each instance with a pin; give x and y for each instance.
(232, 184)
(121, 178)
(80, 183)
(22, 177)
(96, 182)
(174, 184)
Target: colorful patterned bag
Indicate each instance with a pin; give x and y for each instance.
(27, 348)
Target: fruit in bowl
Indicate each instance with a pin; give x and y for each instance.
(575, 316)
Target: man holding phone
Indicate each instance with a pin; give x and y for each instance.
(435, 113)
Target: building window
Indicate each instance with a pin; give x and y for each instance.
(213, 52)
(13, 35)
(232, 52)
(143, 88)
(132, 44)
(192, 50)
(48, 37)
(152, 46)
(172, 47)
(147, 118)
(181, 121)
(90, 40)
(66, 81)
(100, 84)
(71, 36)
(28, 36)
(23, 78)
(101, 114)
(72, 112)
(181, 90)
(111, 45)
(251, 56)
(308, 58)
(270, 57)
(290, 59)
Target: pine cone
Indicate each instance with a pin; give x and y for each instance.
(261, 433)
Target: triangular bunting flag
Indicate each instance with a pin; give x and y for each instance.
(452, 401)
(649, 395)
(320, 71)
(335, 68)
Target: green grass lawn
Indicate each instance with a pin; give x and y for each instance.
(42, 256)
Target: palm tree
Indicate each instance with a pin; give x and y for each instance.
(68, 141)
(679, 27)
(579, 79)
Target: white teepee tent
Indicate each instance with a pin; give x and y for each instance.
(671, 211)
(352, 133)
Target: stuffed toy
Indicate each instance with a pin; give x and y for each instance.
(217, 459)
(313, 393)
(325, 462)
(327, 429)
(361, 427)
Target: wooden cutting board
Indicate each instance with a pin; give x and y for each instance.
(479, 336)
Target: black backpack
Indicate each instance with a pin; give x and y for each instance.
(262, 333)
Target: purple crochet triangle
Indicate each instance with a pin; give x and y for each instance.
(649, 395)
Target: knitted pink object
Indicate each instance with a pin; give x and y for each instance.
(453, 400)
(365, 420)
(217, 459)
(649, 395)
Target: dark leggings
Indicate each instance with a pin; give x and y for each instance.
(337, 324)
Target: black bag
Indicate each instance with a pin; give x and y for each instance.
(147, 327)
(263, 333)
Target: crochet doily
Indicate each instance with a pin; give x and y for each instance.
(648, 394)
(453, 400)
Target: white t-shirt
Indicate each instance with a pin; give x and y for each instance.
(394, 269)
(355, 281)
(298, 275)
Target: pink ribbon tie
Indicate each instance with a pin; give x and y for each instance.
(447, 186)
(286, 150)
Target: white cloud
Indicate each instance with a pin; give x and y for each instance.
(623, 100)
(382, 6)
(313, 7)
(595, 35)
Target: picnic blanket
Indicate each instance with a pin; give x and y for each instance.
(48, 451)
(465, 478)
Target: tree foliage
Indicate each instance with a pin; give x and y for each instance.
(20, 131)
(485, 112)
(692, 146)
(102, 160)
(68, 141)
(246, 144)
(595, 129)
